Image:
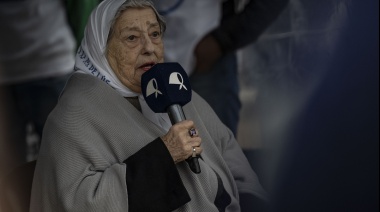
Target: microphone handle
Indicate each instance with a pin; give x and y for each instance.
(176, 115)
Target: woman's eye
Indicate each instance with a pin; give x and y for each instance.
(155, 34)
(131, 37)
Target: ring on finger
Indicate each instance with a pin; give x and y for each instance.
(192, 132)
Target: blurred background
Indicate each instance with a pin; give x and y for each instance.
(310, 118)
(281, 70)
(309, 122)
(289, 58)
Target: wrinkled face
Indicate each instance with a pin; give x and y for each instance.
(135, 46)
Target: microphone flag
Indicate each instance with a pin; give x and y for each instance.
(165, 84)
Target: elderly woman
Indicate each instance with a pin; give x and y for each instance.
(103, 149)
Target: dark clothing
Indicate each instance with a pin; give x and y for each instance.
(240, 29)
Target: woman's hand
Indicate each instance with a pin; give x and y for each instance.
(180, 142)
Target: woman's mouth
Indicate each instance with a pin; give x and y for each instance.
(147, 66)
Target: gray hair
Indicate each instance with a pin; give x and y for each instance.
(137, 4)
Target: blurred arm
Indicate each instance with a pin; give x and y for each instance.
(241, 29)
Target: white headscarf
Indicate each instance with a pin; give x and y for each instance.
(91, 59)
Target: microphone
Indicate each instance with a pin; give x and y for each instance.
(166, 88)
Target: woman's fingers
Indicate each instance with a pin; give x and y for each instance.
(195, 151)
(183, 141)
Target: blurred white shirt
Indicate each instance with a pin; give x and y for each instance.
(187, 22)
(35, 40)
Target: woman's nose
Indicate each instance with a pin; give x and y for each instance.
(148, 46)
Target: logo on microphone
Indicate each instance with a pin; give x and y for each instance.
(152, 88)
(177, 79)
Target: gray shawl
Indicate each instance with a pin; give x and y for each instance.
(94, 129)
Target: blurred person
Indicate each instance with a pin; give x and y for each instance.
(14, 184)
(288, 60)
(36, 57)
(329, 134)
(204, 35)
(104, 149)
(5, 150)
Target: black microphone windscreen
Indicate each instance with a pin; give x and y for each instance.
(165, 84)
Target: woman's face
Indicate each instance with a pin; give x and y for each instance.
(135, 46)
